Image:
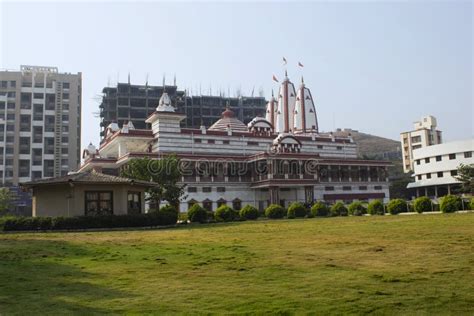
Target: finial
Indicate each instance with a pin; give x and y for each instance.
(286, 73)
(302, 80)
(272, 93)
(164, 85)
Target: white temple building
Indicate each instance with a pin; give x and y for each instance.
(277, 159)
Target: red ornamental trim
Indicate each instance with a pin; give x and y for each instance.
(359, 196)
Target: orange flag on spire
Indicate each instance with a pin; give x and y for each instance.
(284, 61)
(300, 64)
(275, 78)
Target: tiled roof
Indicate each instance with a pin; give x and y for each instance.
(87, 177)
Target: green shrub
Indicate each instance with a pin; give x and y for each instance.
(249, 212)
(319, 209)
(375, 208)
(339, 209)
(168, 214)
(397, 206)
(450, 203)
(197, 214)
(275, 211)
(159, 218)
(356, 208)
(296, 209)
(225, 213)
(422, 204)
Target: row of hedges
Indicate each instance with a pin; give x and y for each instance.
(167, 215)
(225, 213)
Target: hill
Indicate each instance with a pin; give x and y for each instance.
(371, 146)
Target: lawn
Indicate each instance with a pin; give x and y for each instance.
(419, 264)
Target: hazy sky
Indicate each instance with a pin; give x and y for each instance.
(372, 66)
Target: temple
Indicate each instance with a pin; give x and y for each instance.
(279, 158)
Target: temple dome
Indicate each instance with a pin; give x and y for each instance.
(228, 120)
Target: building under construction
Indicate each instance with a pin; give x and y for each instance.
(128, 102)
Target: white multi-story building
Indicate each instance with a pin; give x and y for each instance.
(425, 134)
(436, 167)
(40, 123)
(278, 159)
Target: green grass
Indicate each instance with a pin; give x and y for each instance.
(421, 264)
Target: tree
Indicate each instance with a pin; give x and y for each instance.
(5, 200)
(466, 177)
(165, 173)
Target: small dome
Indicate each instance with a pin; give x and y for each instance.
(228, 113)
(91, 148)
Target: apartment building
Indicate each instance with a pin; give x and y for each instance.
(425, 134)
(435, 167)
(127, 102)
(40, 123)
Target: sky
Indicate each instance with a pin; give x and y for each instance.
(372, 66)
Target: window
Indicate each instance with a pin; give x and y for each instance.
(378, 187)
(197, 141)
(206, 189)
(24, 168)
(418, 161)
(98, 203)
(38, 96)
(65, 118)
(428, 176)
(427, 160)
(320, 147)
(65, 107)
(452, 156)
(3, 84)
(468, 154)
(329, 188)
(252, 143)
(11, 116)
(65, 85)
(210, 141)
(416, 139)
(207, 205)
(11, 94)
(419, 177)
(24, 145)
(192, 189)
(66, 96)
(37, 134)
(11, 105)
(221, 202)
(64, 150)
(220, 189)
(13, 84)
(225, 142)
(10, 127)
(64, 139)
(363, 188)
(236, 204)
(339, 147)
(440, 174)
(346, 188)
(454, 173)
(134, 205)
(25, 123)
(37, 112)
(191, 203)
(65, 129)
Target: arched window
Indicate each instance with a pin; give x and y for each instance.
(207, 204)
(221, 202)
(237, 204)
(191, 203)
